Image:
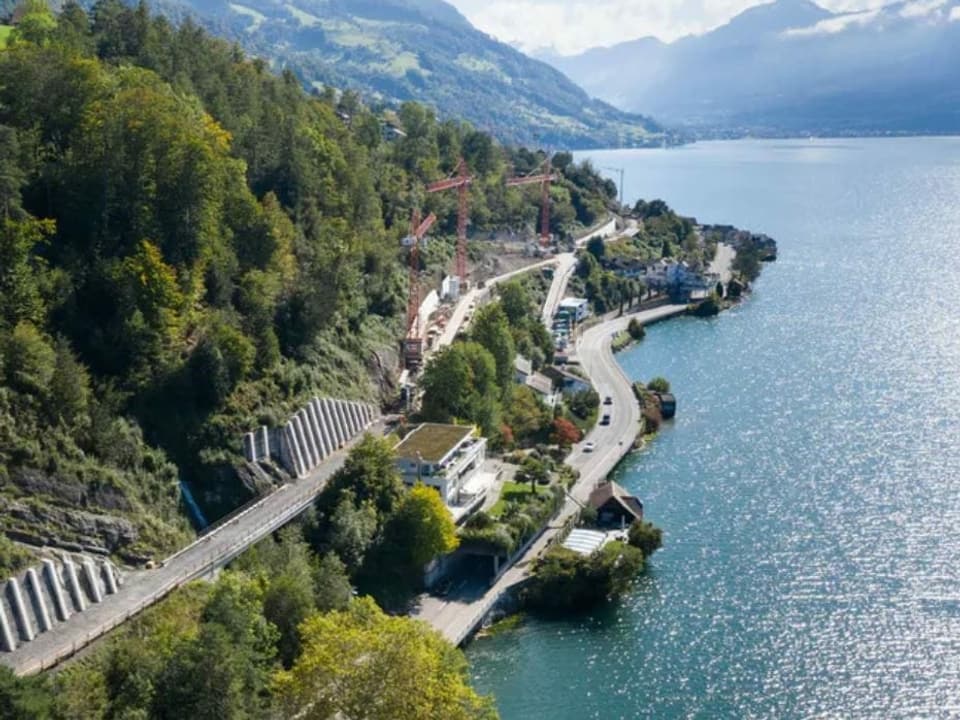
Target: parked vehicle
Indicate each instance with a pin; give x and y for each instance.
(608, 400)
(605, 420)
(589, 446)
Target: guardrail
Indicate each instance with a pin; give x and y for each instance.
(203, 566)
(299, 499)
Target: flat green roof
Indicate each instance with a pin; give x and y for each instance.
(432, 441)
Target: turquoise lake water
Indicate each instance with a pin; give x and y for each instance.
(809, 488)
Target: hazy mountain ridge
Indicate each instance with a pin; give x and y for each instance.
(792, 67)
(422, 50)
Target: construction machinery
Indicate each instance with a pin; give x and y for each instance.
(461, 181)
(413, 341)
(544, 179)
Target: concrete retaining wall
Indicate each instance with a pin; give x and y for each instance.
(42, 597)
(311, 435)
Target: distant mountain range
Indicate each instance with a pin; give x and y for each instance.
(424, 50)
(792, 67)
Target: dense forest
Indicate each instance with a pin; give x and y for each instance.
(189, 246)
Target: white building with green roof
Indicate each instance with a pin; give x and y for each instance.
(444, 457)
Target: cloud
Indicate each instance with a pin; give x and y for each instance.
(571, 26)
(955, 13)
(921, 8)
(835, 24)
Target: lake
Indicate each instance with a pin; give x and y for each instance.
(809, 488)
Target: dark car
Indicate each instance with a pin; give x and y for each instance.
(605, 420)
(608, 400)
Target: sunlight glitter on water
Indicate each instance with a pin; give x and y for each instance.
(808, 488)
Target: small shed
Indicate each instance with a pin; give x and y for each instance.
(615, 506)
(668, 404)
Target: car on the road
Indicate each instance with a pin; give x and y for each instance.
(589, 446)
(605, 420)
(608, 400)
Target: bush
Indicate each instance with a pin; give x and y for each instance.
(707, 308)
(659, 384)
(566, 581)
(636, 329)
(646, 537)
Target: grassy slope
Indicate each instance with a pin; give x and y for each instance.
(5, 31)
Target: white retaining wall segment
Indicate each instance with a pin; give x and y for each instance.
(6, 634)
(349, 411)
(355, 417)
(249, 447)
(263, 442)
(73, 586)
(315, 431)
(90, 573)
(326, 437)
(313, 410)
(296, 459)
(109, 578)
(341, 419)
(311, 439)
(19, 610)
(56, 590)
(333, 424)
(301, 437)
(40, 611)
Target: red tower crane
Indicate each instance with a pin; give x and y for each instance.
(413, 342)
(544, 179)
(461, 181)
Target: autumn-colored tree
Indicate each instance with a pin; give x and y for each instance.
(565, 433)
(365, 665)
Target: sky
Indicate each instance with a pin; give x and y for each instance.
(571, 26)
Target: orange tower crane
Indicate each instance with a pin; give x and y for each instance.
(544, 179)
(413, 343)
(461, 181)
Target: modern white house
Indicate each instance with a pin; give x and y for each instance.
(448, 458)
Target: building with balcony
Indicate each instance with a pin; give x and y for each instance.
(448, 458)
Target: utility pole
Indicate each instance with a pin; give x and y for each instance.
(617, 170)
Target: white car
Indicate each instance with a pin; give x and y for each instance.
(589, 446)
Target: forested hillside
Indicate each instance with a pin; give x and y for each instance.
(190, 246)
(424, 50)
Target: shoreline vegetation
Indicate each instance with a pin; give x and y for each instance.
(564, 581)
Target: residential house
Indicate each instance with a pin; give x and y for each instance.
(447, 458)
(615, 506)
(542, 385)
(567, 382)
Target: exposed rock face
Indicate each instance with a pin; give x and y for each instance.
(68, 528)
(69, 490)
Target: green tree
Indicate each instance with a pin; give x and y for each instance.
(370, 473)
(333, 588)
(526, 415)
(533, 471)
(21, 270)
(30, 361)
(596, 247)
(491, 329)
(659, 384)
(421, 528)
(69, 391)
(460, 383)
(347, 655)
(351, 529)
(646, 537)
(22, 698)
(516, 303)
(37, 23)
